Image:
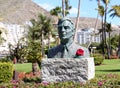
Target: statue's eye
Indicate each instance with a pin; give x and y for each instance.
(59, 27)
(66, 27)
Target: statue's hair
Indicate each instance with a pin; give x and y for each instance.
(64, 19)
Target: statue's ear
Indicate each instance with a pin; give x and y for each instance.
(73, 31)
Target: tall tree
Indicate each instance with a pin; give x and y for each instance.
(106, 2)
(33, 49)
(96, 24)
(63, 10)
(45, 29)
(115, 11)
(77, 21)
(67, 7)
(56, 11)
(109, 30)
(37, 32)
(101, 13)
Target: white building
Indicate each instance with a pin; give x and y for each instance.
(13, 33)
(85, 36)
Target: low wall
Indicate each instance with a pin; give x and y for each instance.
(61, 70)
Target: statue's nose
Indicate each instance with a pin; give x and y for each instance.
(63, 29)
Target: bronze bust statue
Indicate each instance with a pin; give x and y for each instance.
(67, 48)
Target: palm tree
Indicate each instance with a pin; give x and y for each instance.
(106, 2)
(97, 15)
(101, 13)
(63, 8)
(45, 29)
(67, 7)
(56, 12)
(40, 29)
(116, 12)
(109, 30)
(33, 48)
(61, 11)
(96, 23)
(77, 21)
(33, 32)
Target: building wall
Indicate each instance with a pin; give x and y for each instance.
(85, 36)
(13, 34)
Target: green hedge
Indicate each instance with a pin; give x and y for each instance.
(5, 59)
(6, 71)
(98, 59)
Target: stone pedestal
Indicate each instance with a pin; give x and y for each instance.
(64, 69)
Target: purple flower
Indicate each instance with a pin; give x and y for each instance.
(14, 81)
(100, 83)
(14, 87)
(45, 83)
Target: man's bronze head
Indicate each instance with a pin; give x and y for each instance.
(66, 29)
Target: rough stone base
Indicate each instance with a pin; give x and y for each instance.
(61, 70)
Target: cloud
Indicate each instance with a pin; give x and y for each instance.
(73, 10)
(46, 6)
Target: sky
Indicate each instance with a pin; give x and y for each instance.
(87, 8)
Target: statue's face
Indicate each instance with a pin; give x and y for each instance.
(65, 30)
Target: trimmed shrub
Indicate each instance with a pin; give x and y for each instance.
(6, 71)
(98, 59)
(5, 59)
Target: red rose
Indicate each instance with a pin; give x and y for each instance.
(80, 52)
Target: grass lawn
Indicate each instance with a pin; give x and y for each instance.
(109, 66)
(26, 67)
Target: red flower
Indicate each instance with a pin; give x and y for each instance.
(80, 52)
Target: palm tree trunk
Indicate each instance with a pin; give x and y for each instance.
(42, 44)
(103, 39)
(63, 8)
(109, 43)
(108, 51)
(77, 22)
(96, 24)
(48, 40)
(118, 51)
(34, 68)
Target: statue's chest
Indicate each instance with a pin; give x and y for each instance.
(66, 54)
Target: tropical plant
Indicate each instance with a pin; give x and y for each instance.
(96, 23)
(39, 30)
(56, 11)
(61, 11)
(46, 30)
(77, 21)
(18, 52)
(109, 30)
(115, 11)
(106, 2)
(101, 13)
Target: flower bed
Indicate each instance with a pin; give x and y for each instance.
(100, 81)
